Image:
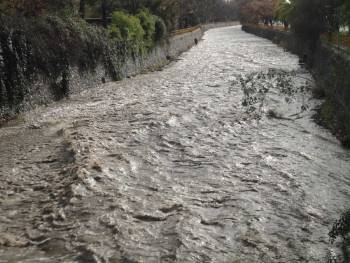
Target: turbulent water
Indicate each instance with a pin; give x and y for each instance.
(171, 167)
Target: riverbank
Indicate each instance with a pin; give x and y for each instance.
(168, 166)
(330, 66)
(50, 59)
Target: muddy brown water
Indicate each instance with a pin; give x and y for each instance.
(169, 167)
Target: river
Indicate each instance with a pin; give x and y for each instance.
(170, 166)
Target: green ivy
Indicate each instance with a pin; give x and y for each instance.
(139, 32)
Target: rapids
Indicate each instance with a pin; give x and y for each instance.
(170, 167)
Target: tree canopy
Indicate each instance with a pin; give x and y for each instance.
(175, 13)
(254, 11)
(308, 19)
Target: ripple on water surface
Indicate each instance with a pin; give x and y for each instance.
(169, 166)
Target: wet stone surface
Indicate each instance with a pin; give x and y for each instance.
(171, 167)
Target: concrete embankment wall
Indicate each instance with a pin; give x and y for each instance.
(330, 66)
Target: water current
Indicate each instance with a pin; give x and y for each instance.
(170, 166)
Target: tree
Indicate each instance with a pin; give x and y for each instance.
(34, 7)
(344, 12)
(258, 10)
(23, 7)
(82, 5)
(104, 12)
(283, 11)
(311, 18)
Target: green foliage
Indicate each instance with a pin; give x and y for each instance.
(190, 20)
(148, 23)
(34, 8)
(129, 26)
(3, 7)
(327, 113)
(344, 13)
(69, 39)
(140, 32)
(160, 29)
(284, 10)
(307, 19)
(154, 27)
(175, 13)
(50, 46)
(115, 33)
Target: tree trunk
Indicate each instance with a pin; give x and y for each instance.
(82, 9)
(104, 13)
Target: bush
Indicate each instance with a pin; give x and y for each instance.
(55, 40)
(307, 20)
(311, 18)
(21, 7)
(125, 27)
(148, 22)
(160, 29)
(115, 33)
(30, 8)
(140, 32)
(49, 46)
(341, 227)
(189, 20)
